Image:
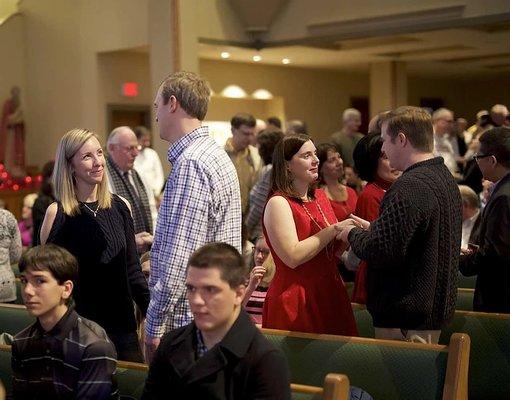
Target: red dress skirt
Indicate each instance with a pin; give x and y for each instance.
(311, 297)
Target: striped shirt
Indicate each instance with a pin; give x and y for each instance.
(74, 360)
(201, 204)
(256, 304)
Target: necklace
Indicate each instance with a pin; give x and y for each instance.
(313, 219)
(91, 210)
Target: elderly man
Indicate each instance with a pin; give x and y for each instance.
(413, 247)
(244, 156)
(499, 114)
(125, 181)
(491, 261)
(442, 120)
(348, 137)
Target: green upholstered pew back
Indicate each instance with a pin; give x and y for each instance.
(14, 318)
(466, 282)
(363, 321)
(489, 365)
(465, 299)
(385, 369)
(131, 378)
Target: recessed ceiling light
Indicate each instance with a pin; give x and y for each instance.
(285, 61)
(257, 58)
(225, 54)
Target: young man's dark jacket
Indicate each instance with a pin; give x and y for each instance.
(244, 365)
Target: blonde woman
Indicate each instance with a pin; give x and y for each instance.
(97, 228)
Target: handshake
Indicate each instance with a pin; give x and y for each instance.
(344, 228)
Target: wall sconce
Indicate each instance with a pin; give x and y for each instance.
(262, 94)
(234, 91)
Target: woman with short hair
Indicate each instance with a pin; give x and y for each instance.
(374, 167)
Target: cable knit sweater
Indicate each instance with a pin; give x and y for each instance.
(413, 250)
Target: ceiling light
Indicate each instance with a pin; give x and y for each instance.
(262, 94)
(234, 91)
(285, 61)
(225, 54)
(257, 58)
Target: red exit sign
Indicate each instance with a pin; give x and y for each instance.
(130, 89)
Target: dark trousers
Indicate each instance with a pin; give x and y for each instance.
(127, 346)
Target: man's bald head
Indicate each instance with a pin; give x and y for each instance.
(123, 147)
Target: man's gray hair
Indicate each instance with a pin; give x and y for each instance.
(350, 113)
(441, 113)
(112, 137)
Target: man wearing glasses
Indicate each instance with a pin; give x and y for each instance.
(123, 180)
(491, 260)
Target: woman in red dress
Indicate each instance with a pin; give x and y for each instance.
(307, 293)
(374, 167)
(331, 170)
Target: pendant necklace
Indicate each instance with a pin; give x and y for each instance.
(313, 219)
(91, 210)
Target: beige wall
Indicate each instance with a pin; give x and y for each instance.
(465, 97)
(317, 96)
(12, 49)
(117, 68)
(54, 75)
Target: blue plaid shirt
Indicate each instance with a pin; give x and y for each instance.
(201, 204)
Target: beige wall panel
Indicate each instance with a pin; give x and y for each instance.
(317, 96)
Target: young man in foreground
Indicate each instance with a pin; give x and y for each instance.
(61, 355)
(221, 354)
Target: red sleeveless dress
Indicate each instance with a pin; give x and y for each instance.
(311, 297)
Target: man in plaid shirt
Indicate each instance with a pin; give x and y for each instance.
(201, 203)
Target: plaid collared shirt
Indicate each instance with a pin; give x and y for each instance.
(75, 359)
(201, 348)
(201, 204)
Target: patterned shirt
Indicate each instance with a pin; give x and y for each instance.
(258, 200)
(201, 204)
(74, 360)
(10, 252)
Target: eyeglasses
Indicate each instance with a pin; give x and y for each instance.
(476, 157)
(130, 149)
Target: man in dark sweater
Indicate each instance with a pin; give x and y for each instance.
(413, 247)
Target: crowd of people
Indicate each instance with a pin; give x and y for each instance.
(265, 230)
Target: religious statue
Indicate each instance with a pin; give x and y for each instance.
(12, 130)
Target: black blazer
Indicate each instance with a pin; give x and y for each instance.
(492, 260)
(244, 365)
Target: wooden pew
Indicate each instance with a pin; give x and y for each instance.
(131, 377)
(489, 363)
(385, 369)
(14, 318)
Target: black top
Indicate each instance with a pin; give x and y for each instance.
(41, 204)
(110, 275)
(244, 365)
(74, 360)
(492, 260)
(413, 250)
